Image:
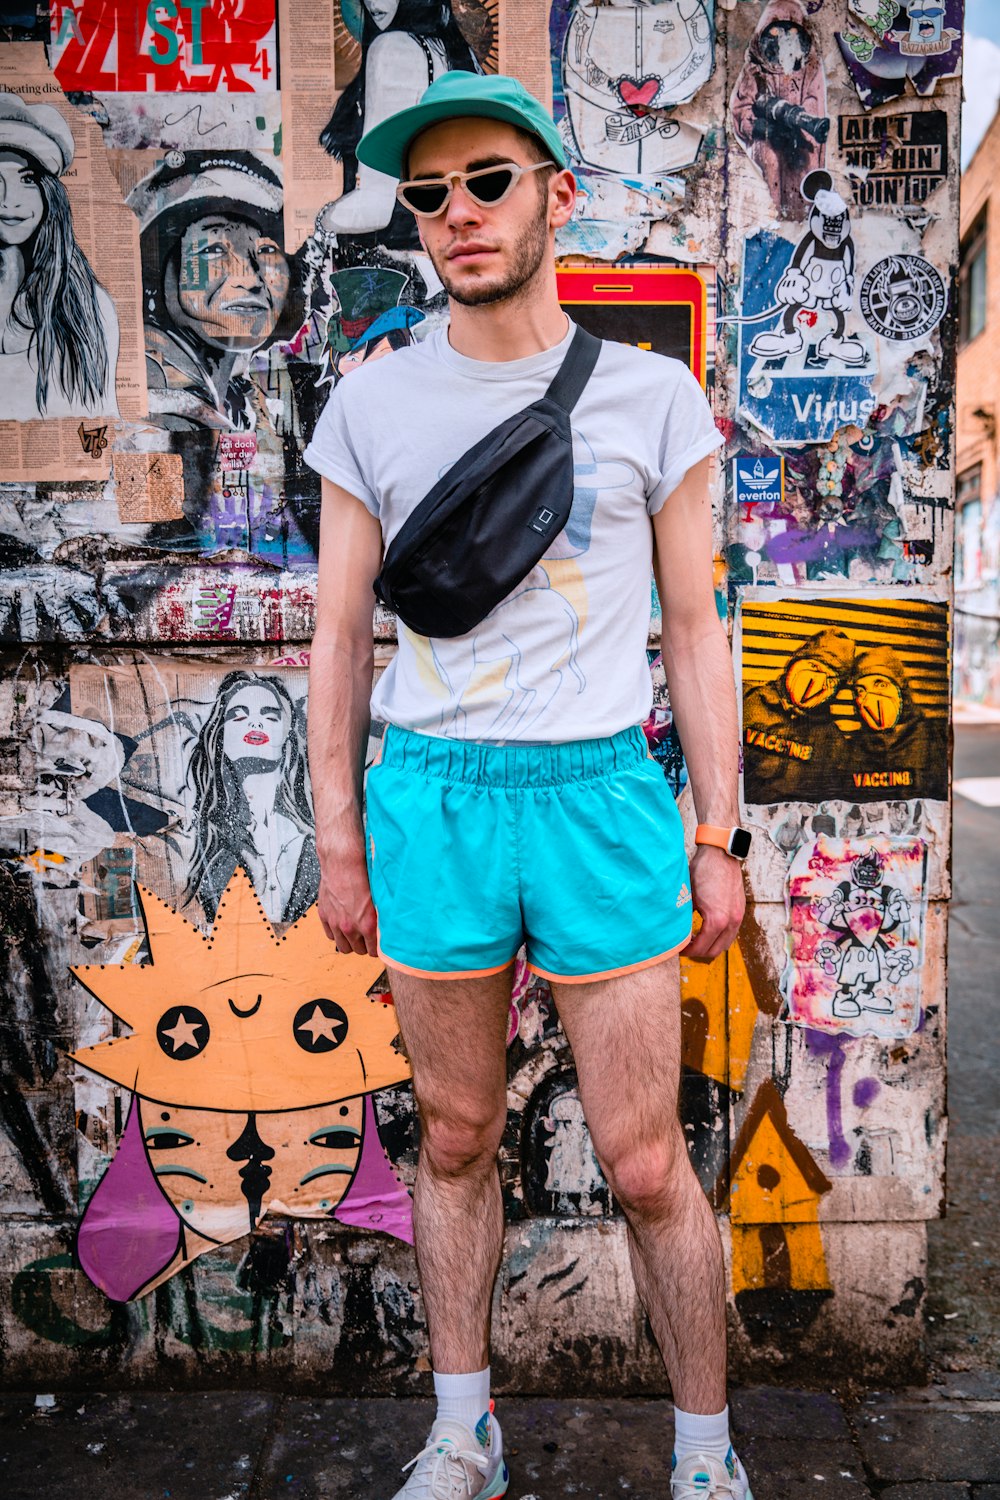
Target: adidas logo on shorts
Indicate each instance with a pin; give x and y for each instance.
(683, 896)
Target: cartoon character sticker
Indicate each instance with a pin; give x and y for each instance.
(252, 1059)
(811, 371)
(919, 40)
(855, 935)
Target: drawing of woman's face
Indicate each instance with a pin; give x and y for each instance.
(255, 725)
(232, 282)
(382, 12)
(220, 1169)
(22, 207)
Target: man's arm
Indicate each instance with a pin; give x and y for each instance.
(699, 675)
(340, 684)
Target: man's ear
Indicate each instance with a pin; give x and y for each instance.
(562, 198)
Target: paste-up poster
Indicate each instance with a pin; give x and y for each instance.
(844, 698)
(856, 935)
(779, 104)
(205, 46)
(618, 74)
(919, 40)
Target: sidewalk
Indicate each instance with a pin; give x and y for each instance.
(938, 1443)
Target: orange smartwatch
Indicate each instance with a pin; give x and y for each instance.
(735, 841)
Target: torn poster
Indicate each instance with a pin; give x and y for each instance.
(856, 935)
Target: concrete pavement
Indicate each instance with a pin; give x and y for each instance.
(942, 1443)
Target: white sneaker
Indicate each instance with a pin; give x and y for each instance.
(455, 1466)
(700, 1476)
(777, 342)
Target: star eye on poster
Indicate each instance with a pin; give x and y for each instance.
(844, 698)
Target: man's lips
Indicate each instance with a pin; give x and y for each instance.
(463, 253)
(255, 737)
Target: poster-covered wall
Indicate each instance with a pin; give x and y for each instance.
(194, 259)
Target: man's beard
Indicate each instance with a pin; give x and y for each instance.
(528, 254)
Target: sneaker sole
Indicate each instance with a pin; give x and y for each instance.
(499, 1486)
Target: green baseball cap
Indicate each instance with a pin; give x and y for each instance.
(492, 96)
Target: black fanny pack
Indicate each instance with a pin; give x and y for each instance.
(493, 515)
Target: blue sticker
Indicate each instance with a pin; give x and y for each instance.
(758, 481)
(802, 377)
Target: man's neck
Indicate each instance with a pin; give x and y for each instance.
(513, 329)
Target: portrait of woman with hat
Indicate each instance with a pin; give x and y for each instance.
(216, 284)
(58, 327)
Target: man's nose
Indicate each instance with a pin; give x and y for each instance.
(462, 209)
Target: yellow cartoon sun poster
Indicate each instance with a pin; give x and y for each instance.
(252, 1060)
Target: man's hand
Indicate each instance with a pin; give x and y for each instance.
(719, 898)
(345, 900)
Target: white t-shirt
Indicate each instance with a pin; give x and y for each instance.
(563, 657)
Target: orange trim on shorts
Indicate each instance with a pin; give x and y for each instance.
(394, 963)
(646, 963)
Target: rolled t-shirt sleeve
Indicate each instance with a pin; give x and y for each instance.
(334, 450)
(689, 434)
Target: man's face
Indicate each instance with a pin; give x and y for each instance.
(232, 282)
(485, 254)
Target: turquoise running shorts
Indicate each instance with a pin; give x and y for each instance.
(575, 849)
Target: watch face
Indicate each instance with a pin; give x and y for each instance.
(739, 843)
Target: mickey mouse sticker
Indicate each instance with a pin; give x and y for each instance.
(820, 276)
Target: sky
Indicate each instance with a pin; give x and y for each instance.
(981, 72)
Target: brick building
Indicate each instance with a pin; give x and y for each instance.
(977, 506)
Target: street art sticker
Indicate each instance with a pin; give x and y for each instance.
(844, 698)
(894, 162)
(164, 46)
(812, 370)
(855, 935)
(251, 1059)
(903, 298)
(758, 481)
(779, 104)
(919, 40)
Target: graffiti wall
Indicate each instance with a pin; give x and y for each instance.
(207, 1139)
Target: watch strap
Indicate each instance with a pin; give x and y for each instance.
(735, 840)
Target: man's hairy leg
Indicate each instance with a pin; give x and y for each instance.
(455, 1033)
(625, 1036)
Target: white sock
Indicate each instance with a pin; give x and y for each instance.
(697, 1433)
(465, 1399)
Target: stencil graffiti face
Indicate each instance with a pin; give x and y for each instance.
(879, 701)
(810, 683)
(22, 207)
(218, 1168)
(256, 724)
(232, 282)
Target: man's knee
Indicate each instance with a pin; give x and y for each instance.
(651, 1176)
(456, 1139)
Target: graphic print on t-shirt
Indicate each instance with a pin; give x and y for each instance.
(546, 613)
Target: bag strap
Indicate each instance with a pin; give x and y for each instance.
(575, 370)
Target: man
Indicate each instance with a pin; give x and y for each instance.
(791, 743)
(515, 799)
